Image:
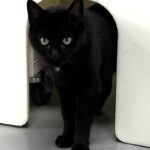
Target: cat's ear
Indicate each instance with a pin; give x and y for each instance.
(76, 8)
(34, 11)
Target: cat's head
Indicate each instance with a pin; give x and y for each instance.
(56, 33)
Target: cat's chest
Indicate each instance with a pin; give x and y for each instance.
(68, 75)
(63, 76)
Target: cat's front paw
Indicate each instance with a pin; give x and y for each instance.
(63, 141)
(80, 147)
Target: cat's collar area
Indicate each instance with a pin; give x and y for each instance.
(57, 69)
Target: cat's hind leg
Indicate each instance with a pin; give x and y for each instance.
(106, 90)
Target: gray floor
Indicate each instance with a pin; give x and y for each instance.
(46, 123)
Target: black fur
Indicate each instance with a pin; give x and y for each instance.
(86, 65)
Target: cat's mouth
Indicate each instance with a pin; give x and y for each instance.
(59, 62)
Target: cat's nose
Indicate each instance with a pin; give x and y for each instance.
(55, 54)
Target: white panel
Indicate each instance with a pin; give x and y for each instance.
(133, 75)
(13, 63)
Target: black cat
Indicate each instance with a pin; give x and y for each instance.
(80, 46)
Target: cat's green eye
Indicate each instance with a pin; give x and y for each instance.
(44, 41)
(67, 41)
